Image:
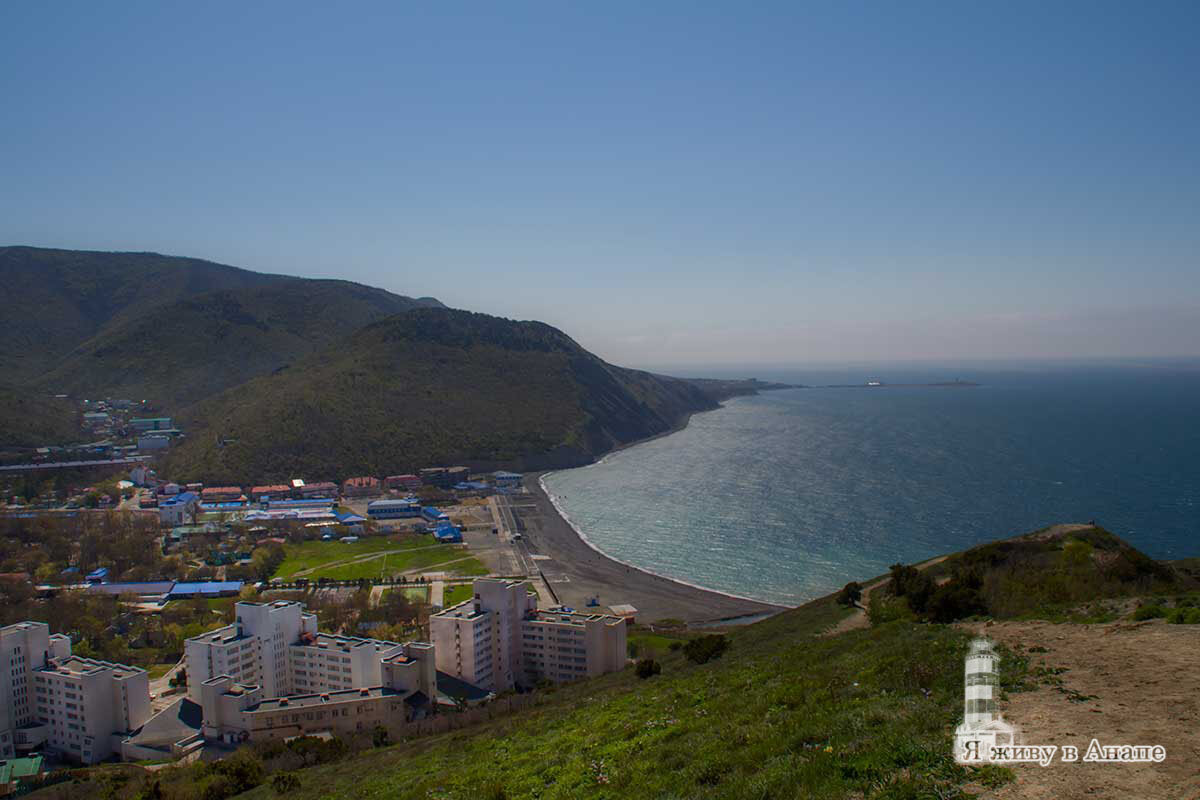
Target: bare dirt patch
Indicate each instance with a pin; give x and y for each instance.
(1145, 679)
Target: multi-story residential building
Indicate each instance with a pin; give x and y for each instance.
(326, 662)
(499, 639)
(178, 509)
(80, 707)
(277, 648)
(251, 650)
(405, 689)
(566, 646)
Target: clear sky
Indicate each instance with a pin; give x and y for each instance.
(671, 183)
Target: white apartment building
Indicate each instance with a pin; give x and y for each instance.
(277, 648)
(561, 646)
(253, 650)
(499, 639)
(406, 690)
(81, 707)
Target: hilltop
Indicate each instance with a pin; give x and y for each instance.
(193, 348)
(165, 327)
(426, 387)
(787, 711)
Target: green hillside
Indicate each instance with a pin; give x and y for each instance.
(1056, 573)
(34, 419)
(178, 353)
(68, 296)
(168, 328)
(426, 387)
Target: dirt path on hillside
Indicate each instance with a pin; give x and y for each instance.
(859, 618)
(1146, 684)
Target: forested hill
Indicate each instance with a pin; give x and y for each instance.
(168, 329)
(430, 386)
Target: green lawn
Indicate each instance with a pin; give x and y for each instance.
(395, 555)
(417, 594)
(315, 553)
(392, 564)
(158, 670)
(453, 595)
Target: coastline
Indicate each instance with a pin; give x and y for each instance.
(578, 570)
(566, 518)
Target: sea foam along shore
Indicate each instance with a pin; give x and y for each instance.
(569, 523)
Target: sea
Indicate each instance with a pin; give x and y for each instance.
(787, 495)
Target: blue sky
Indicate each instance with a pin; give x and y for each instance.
(670, 183)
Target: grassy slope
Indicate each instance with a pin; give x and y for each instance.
(426, 387)
(780, 715)
(783, 714)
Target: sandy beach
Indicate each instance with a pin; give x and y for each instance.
(577, 572)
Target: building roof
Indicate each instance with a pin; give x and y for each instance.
(324, 698)
(362, 483)
(207, 587)
(336, 641)
(177, 721)
(407, 502)
(230, 633)
(459, 689)
(78, 665)
(139, 588)
(17, 768)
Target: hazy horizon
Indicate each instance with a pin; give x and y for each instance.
(672, 185)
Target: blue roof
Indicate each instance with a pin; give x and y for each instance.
(98, 573)
(508, 475)
(207, 587)
(447, 531)
(143, 587)
(348, 518)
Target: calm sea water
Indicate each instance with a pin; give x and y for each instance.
(789, 495)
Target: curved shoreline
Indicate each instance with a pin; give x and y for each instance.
(579, 571)
(566, 518)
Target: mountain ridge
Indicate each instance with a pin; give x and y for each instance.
(431, 386)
